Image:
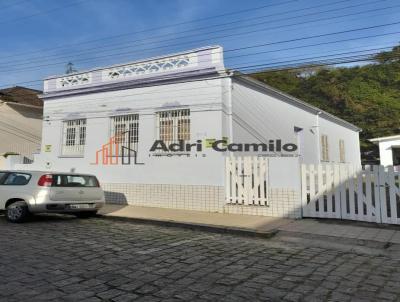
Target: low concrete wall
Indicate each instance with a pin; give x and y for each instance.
(9, 162)
(283, 202)
(185, 197)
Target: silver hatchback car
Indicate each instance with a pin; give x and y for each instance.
(27, 192)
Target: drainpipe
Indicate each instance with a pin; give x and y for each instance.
(229, 130)
(318, 137)
(230, 106)
(230, 110)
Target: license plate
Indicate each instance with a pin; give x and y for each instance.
(80, 206)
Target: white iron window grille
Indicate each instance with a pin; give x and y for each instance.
(174, 126)
(125, 132)
(74, 137)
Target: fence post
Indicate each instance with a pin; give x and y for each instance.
(382, 193)
(368, 195)
(392, 194)
(336, 186)
(360, 193)
(304, 209)
(228, 182)
(343, 184)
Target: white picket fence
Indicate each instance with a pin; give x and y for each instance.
(247, 180)
(349, 192)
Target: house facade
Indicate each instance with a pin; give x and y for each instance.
(389, 150)
(158, 133)
(21, 114)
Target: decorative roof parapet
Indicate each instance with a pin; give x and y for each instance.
(74, 80)
(194, 60)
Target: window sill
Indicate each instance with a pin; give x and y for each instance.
(71, 156)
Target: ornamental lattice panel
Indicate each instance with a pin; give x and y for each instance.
(74, 80)
(151, 67)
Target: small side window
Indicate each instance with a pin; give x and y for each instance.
(17, 179)
(342, 151)
(2, 176)
(324, 148)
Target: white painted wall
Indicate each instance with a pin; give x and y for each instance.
(351, 142)
(259, 116)
(20, 129)
(204, 98)
(9, 162)
(219, 108)
(385, 151)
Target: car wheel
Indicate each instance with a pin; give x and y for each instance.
(86, 214)
(17, 212)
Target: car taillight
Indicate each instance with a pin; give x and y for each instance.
(45, 180)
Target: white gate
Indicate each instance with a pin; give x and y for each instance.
(247, 180)
(349, 192)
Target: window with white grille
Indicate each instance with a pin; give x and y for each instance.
(125, 130)
(342, 151)
(74, 137)
(174, 125)
(324, 148)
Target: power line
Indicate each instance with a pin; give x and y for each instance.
(263, 52)
(19, 130)
(331, 55)
(339, 60)
(96, 50)
(213, 27)
(310, 65)
(155, 28)
(372, 52)
(20, 136)
(314, 36)
(242, 48)
(43, 12)
(54, 119)
(317, 44)
(304, 64)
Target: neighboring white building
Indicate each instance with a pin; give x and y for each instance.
(389, 150)
(92, 117)
(21, 115)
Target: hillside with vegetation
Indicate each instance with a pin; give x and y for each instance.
(367, 96)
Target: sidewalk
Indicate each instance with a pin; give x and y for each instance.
(255, 225)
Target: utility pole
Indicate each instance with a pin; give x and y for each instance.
(70, 68)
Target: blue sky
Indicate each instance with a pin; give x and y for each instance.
(39, 37)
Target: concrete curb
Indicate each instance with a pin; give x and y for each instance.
(196, 226)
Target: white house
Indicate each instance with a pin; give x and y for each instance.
(106, 120)
(389, 150)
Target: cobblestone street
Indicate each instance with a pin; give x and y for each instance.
(61, 258)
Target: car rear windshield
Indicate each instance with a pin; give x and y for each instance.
(81, 181)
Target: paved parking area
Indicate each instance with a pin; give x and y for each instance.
(63, 258)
